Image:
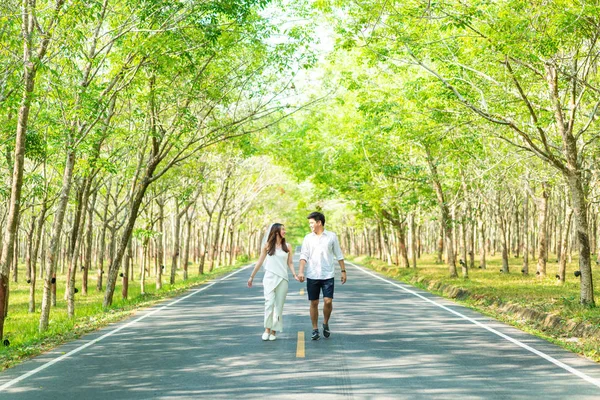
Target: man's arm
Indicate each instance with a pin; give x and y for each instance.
(343, 268)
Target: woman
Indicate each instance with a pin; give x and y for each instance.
(275, 254)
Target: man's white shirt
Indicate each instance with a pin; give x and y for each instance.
(320, 252)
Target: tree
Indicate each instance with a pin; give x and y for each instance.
(524, 68)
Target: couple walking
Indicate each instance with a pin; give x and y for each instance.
(319, 249)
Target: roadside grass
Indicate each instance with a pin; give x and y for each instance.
(488, 286)
(21, 327)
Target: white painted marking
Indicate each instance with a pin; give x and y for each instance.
(92, 342)
(553, 360)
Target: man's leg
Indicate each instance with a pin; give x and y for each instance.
(313, 287)
(314, 313)
(328, 286)
(327, 308)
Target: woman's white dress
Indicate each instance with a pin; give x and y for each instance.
(275, 285)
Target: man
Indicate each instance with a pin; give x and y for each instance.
(319, 249)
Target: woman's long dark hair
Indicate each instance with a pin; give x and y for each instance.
(272, 239)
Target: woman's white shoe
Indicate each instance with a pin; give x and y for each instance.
(265, 336)
(272, 337)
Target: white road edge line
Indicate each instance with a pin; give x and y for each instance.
(92, 342)
(553, 360)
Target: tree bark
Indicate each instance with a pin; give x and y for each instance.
(126, 267)
(75, 255)
(440, 245)
(575, 180)
(53, 250)
(186, 249)
(503, 224)
(562, 266)
(465, 240)
(136, 202)
(218, 226)
(542, 231)
(578, 204)
(88, 244)
(176, 232)
(413, 241)
(205, 245)
(160, 242)
(446, 220)
(31, 64)
(404, 263)
(30, 265)
(102, 252)
(525, 269)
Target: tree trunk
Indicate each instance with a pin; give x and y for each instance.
(542, 231)
(525, 269)
(440, 245)
(102, 254)
(446, 220)
(218, 227)
(379, 236)
(581, 225)
(30, 265)
(136, 202)
(126, 266)
(160, 243)
(465, 240)
(30, 71)
(517, 233)
(144, 266)
(573, 174)
(482, 252)
(88, 244)
(15, 266)
(53, 250)
(75, 233)
(562, 267)
(176, 232)
(186, 249)
(75, 256)
(413, 241)
(222, 247)
(388, 252)
(206, 244)
(402, 242)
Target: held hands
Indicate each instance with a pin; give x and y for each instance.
(300, 276)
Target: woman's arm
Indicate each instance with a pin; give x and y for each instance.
(290, 261)
(263, 255)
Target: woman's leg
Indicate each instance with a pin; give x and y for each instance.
(280, 295)
(269, 310)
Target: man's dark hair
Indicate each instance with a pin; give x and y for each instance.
(317, 216)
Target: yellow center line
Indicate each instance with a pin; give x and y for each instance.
(300, 348)
(301, 292)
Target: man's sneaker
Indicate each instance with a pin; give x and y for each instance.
(326, 331)
(315, 335)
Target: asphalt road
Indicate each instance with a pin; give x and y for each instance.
(389, 340)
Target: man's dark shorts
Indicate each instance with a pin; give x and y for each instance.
(314, 287)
